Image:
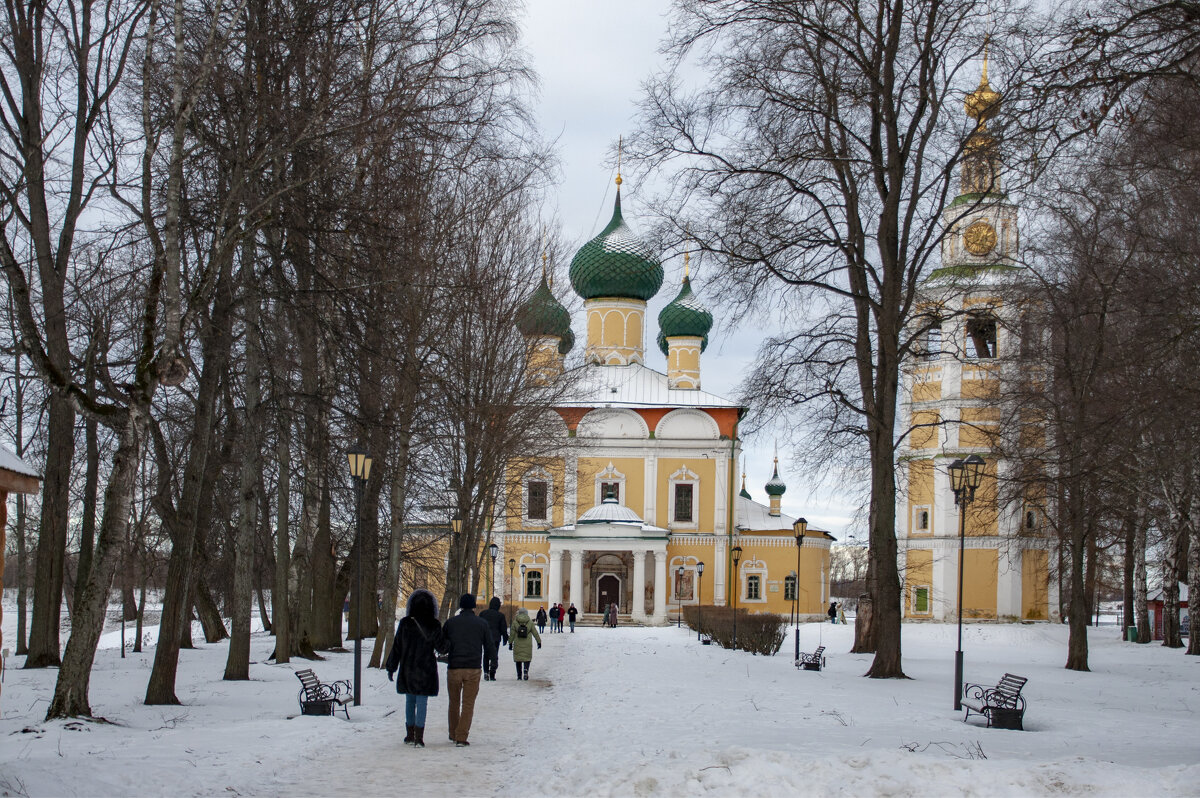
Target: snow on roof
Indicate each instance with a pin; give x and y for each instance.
(10, 462)
(1157, 594)
(751, 516)
(635, 386)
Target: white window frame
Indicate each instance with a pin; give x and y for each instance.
(748, 569)
(537, 475)
(541, 583)
(684, 476)
(611, 474)
(794, 582)
(916, 519)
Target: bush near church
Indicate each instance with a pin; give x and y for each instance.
(757, 632)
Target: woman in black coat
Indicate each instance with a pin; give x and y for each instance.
(414, 655)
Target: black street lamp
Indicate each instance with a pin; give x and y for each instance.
(679, 598)
(360, 471)
(799, 527)
(965, 476)
(493, 550)
(737, 585)
(523, 566)
(511, 586)
(699, 598)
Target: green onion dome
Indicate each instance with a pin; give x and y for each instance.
(542, 314)
(776, 487)
(616, 263)
(684, 315)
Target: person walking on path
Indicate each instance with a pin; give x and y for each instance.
(520, 639)
(841, 616)
(572, 614)
(414, 662)
(467, 641)
(541, 618)
(612, 615)
(832, 612)
(498, 625)
(562, 616)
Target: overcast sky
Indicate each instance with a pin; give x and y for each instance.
(591, 57)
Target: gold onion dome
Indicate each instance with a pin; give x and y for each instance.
(616, 263)
(983, 103)
(776, 487)
(543, 315)
(684, 315)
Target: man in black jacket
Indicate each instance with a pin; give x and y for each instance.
(468, 641)
(498, 625)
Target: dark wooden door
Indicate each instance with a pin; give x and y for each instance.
(608, 590)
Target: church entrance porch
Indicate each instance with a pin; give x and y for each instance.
(594, 573)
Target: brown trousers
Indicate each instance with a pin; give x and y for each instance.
(463, 684)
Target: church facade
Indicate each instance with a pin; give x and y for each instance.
(640, 507)
(970, 312)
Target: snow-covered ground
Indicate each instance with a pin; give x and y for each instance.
(633, 712)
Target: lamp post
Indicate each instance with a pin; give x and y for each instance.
(965, 476)
(737, 585)
(493, 550)
(678, 598)
(512, 585)
(523, 586)
(360, 471)
(699, 597)
(799, 527)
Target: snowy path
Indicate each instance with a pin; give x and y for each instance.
(635, 712)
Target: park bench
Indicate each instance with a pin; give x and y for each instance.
(1002, 705)
(812, 662)
(317, 698)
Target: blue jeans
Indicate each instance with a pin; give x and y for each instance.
(414, 709)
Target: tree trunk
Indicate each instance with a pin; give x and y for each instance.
(1127, 566)
(91, 489)
(71, 690)
(208, 613)
(1193, 581)
(264, 616)
(1171, 572)
(22, 576)
(52, 537)
(1141, 610)
(141, 616)
(327, 628)
(1077, 644)
(237, 664)
(279, 594)
(391, 582)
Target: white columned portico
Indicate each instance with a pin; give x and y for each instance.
(554, 593)
(577, 577)
(639, 586)
(660, 586)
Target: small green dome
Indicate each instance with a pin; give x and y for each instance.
(684, 315)
(616, 263)
(542, 314)
(776, 487)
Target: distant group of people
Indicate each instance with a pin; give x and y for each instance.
(610, 616)
(558, 613)
(836, 613)
(469, 644)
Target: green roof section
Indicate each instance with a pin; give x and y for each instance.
(776, 487)
(616, 263)
(684, 315)
(542, 315)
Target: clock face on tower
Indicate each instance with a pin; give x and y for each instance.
(979, 238)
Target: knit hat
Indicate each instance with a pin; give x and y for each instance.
(467, 602)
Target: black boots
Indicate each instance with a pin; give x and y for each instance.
(409, 734)
(518, 671)
(419, 736)
(526, 664)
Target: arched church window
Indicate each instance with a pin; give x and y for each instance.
(537, 500)
(753, 587)
(533, 584)
(981, 337)
(789, 587)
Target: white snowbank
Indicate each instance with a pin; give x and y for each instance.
(629, 711)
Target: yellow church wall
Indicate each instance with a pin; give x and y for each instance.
(634, 469)
(918, 576)
(927, 390)
(773, 564)
(515, 492)
(925, 430)
(979, 427)
(532, 551)
(920, 494)
(1035, 593)
(682, 552)
(979, 583)
(979, 382)
(705, 468)
(983, 516)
